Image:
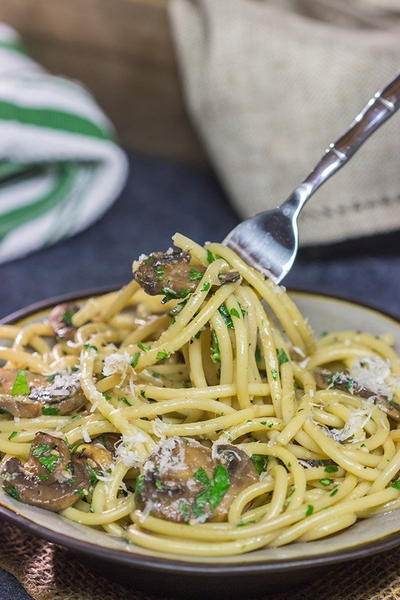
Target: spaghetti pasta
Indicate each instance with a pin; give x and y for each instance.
(227, 371)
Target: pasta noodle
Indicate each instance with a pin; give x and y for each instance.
(231, 365)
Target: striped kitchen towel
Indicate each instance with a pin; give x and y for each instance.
(60, 168)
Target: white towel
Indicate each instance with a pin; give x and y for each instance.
(60, 168)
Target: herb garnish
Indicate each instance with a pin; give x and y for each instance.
(21, 385)
(143, 347)
(331, 469)
(162, 354)
(210, 256)
(170, 294)
(135, 359)
(260, 462)
(223, 311)
(12, 435)
(12, 491)
(195, 275)
(205, 287)
(214, 348)
(89, 347)
(214, 493)
(310, 510)
(50, 410)
(282, 356)
(67, 317)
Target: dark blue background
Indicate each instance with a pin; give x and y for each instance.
(160, 199)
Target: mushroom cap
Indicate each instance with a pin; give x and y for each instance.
(50, 478)
(181, 469)
(60, 320)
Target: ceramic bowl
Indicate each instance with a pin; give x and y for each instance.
(249, 574)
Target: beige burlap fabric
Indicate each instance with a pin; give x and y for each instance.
(270, 84)
(49, 572)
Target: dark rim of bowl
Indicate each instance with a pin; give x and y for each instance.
(139, 561)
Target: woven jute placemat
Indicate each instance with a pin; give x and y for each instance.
(49, 572)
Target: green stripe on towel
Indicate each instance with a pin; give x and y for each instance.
(51, 119)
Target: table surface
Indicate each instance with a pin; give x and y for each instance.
(161, 198)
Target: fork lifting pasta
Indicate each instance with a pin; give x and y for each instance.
(194, 412)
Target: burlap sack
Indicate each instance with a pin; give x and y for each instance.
(270, 84)
(49, 572)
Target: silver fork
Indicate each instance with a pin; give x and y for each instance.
(269, 240)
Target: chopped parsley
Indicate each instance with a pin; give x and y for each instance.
(214, 348)
(396, 484)
(94, 475)
(135, 359)
(310, 510)
(223, 311)
(260, 462)
(210, 256)
(12, 435)
(67, 317)
(139, 489)
(195, 275)
(50, 410)
(214, 493)
(274, 374)
(107, 396)
(51, 378)
(143, 347)
(12, 491)
(235, 313)
(149, 260)
(184, 509)
(334, 491)
(202, 476)
(331, 469)
(89, 347)
(162, 354)
(170, 294)
(49, 462)
(40, 449)
(21, 385)
(325, 481)
(282, 356)
(205, 287)
(159, 485)
(43, 477)
(126, 401)
(160, 271)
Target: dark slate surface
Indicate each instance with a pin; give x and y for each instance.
(161, 198)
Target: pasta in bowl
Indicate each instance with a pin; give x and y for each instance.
(195, 414)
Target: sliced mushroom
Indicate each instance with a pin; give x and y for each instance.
(229, 277)
(108, 441)
(60, 396)
(96, 454)
(343, 381)
(182, 480)
(60, 320)
(168, 272)
(51, 478)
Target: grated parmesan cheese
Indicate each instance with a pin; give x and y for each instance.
(372, 373)
(356, 422)
(117, 362)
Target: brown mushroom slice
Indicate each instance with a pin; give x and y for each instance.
(242, 474)
(96, 454)
(168, 272)
(61, 396)
(343, 381)
(182, 480)
(60, 320)
(49, 479)
(108, 441)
